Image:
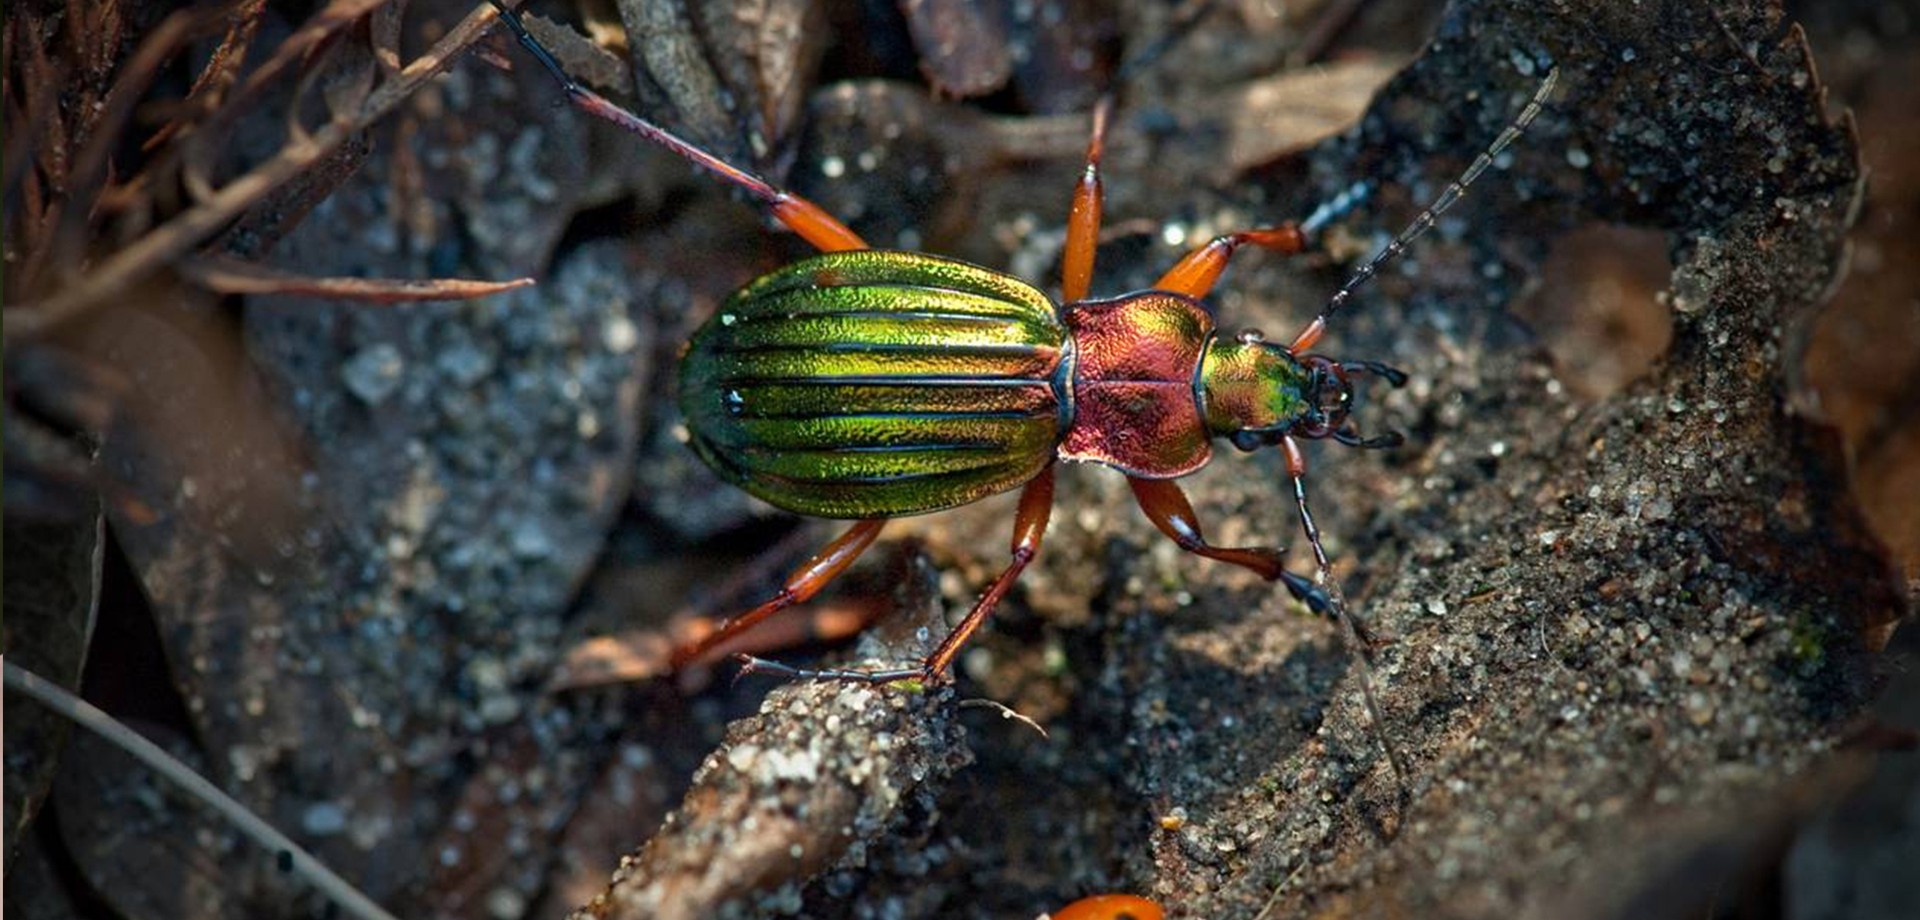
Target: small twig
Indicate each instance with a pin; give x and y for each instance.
(1274, 899)
(89, 169)
(385, 33)
(1006, 712)
(120, 272)
(312, 35)
(230, 276)
(91, 718)
(222, 68)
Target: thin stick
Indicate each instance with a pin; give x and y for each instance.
(1006, 712)
(1274, 899)
(302, 862)
(119, 273)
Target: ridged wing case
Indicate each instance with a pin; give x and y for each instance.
(874, 383)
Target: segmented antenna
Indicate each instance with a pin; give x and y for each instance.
(1454, 192)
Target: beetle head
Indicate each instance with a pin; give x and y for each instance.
(1258, 393)
(1329, 399)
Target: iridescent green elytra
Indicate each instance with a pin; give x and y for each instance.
(873, 383)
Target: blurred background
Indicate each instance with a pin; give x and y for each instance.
(306, 483)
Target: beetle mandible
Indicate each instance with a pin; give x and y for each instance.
(870, 384)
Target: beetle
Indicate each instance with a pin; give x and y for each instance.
(866, 384)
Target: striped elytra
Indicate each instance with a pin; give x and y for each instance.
(873, 383)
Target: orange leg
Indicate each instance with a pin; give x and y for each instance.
(1167, 507)
(801, 216)
(1198, 271)
(1083, 218)
(804, 583)
(1030, 524)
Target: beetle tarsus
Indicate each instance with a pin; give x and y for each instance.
(1310, 594)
